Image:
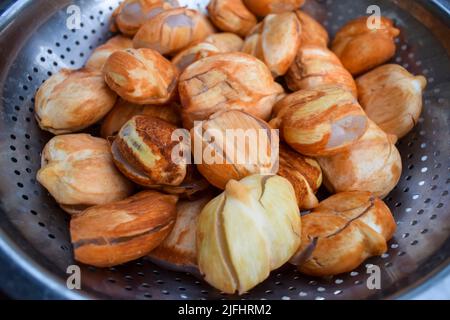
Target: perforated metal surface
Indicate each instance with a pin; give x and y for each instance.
(36, 44)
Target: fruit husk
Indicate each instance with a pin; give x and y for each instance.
(340, 233)
(178, 250)
(247, 231)
(226, 168)
(303, 173)
(124, 111)
(392, 98)
(371, 164)
(122, 231)
(321, 121)
(145, 144)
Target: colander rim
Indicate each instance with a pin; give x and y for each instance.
(18, 259)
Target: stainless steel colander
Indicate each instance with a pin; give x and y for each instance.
(35, 248)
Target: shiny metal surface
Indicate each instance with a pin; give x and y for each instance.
(34, 242)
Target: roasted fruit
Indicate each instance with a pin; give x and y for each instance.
(72, 100)
(303, 173)
(231, 16)
(78, 171)
(372, 164)
(275, 41)
(235, 144)
(361, 47)
(124, 111)
(320, 121)
(141, 76)
(101, 54)
(342, 232)
(227, 81)
(264, 7)
(118, 232)
(225, 42)
(312, 32)
(132, 14)
(392, 98)
(172, 31)
(315, 66)
(143, 152)
(195, 52)
(253, 227)
(178, 251)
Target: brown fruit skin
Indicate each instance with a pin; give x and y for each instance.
(361, 49)
(303, 173)
(78, 171)
(179, 250)
(275, 41)
(225, 41)
(193, 185)
(72, 100)
(262, 8)
(98, 58)
(141, 76)
(124, 111)
(312, 32)
(132, 14)
(347, 228)
(321, 121)
(372, 164)
(224, 82)
(231, 16)
(392, 98)
(143, 152)
(172, 31)
(218, 174)
(194, 53)
(119, 232)
(315, 66)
